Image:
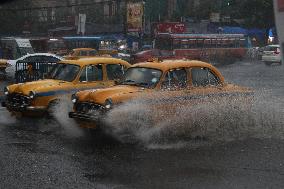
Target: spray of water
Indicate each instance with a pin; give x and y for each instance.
(60, 113)
(6, 118)
(198, 122)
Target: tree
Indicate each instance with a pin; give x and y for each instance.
(256, 13)
(14, 22)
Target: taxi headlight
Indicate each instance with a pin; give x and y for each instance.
(6, 90)
(32, 94)
(74, 98)
(108, 103)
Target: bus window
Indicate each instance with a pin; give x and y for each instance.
(200, 43)
(242, 43)
(225, 43)
(176, 44)
(184, 44)
(213, 43)
(164, 44)
(218, 43)
(192, 43)
(207, 43)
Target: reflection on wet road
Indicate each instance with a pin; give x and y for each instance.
(42, 154)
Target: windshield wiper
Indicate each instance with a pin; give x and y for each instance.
(131, 82)
(127, 82)
(142, 84)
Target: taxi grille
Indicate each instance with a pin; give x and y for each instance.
(18, 99)
(89, 108)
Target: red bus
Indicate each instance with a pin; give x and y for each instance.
(208, 47)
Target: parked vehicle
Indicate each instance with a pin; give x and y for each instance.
(19, 67)
(14, 48)
(81, 53)
(163, 83)
(271, 54)
(65, 78)
(209, 47)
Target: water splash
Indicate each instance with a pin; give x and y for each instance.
(199, 122)
(6, 117)
(60, 113)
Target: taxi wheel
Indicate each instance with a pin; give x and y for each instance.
(268, 63)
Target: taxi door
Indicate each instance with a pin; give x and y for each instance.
(114, 73)
(174, 88)
(204, 84)
(91, 77)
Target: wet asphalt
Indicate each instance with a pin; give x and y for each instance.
(39, 154)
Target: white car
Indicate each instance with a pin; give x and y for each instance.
(36, 57)
(271, 54)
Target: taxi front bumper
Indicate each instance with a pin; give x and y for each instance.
(85, 120)
(15, 107)
(82, 116)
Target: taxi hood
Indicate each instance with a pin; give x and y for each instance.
(115, 93)
(37, 86)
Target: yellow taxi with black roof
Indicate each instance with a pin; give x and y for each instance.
(65, 78)
(168, 81)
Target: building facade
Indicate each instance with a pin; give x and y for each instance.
(39, 17)
(64, 17)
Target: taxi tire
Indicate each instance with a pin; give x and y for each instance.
(267, 63)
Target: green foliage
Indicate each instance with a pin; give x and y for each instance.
(12, 22)
(255, 13)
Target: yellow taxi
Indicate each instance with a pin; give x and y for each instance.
(170, 80)
(65, 78)
(3, 65)
(81, 53)
(90, 52)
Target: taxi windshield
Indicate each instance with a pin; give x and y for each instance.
(142, 77)
(64, 72)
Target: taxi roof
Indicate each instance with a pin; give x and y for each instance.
(83, 49)
(171, 64)
(95, 60)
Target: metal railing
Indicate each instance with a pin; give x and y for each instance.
(31, 71)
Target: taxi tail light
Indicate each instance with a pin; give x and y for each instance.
(277, 51)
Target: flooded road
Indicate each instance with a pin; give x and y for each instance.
(235, 148)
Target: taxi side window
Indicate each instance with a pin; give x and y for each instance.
(175, 79)
(93, 53)
(83, 53)
(114, 71)
(202, 77)
(92, 73)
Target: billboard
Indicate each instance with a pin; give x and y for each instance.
(135, 13)
(168, 27)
